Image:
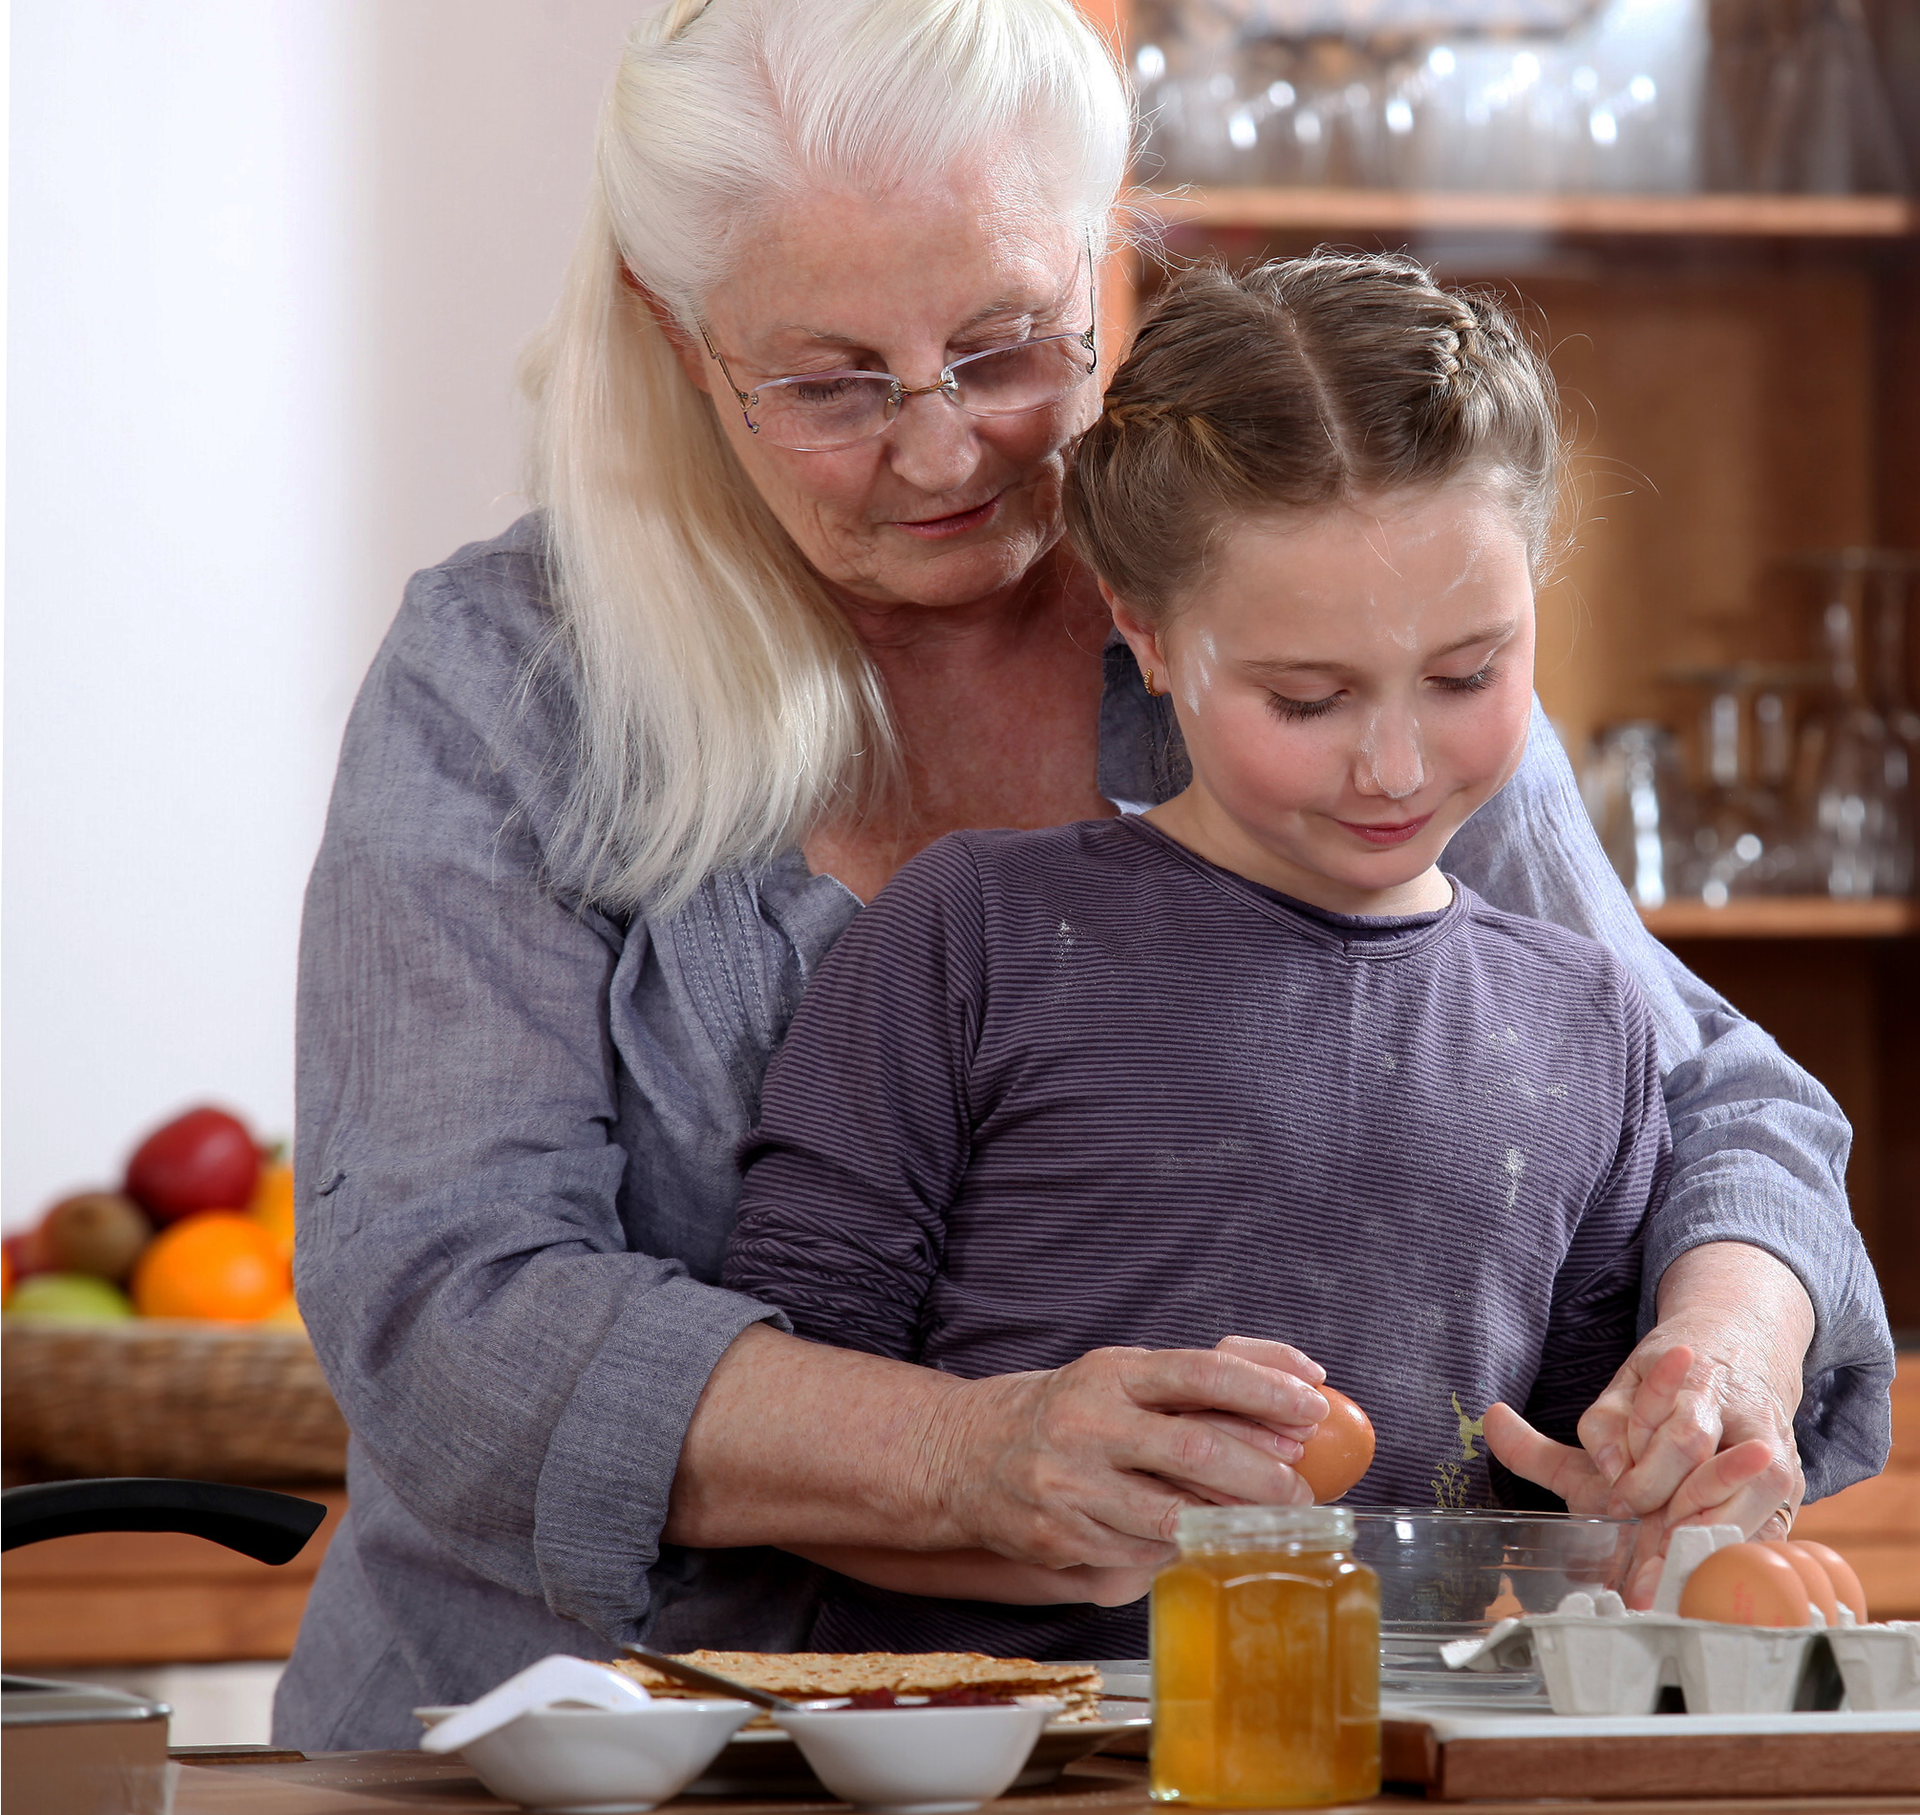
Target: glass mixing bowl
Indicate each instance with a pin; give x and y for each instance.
(1451, 1575)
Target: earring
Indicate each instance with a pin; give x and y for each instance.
(1150, 692)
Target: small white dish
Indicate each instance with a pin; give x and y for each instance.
(557, 1681)
(596, 1761)
(916, 1761)
(759, 1762)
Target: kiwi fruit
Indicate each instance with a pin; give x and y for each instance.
(98, 1232)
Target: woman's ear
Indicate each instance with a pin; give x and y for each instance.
(686, 347)
(1141, 637)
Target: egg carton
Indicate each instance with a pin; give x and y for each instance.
(1598, 1658)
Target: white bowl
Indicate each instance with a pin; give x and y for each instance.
(596, 1761)
(917, 1761)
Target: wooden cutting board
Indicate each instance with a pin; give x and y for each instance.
(1461, 1759)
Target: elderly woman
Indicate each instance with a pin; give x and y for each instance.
(793, 606)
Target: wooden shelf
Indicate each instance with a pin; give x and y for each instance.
(1787, 917)
(1823, 217)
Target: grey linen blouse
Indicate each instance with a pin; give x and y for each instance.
(518, 1118)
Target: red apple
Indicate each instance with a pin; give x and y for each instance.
(27, 1252)
(203, 1160)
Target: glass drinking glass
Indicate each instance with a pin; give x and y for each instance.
(1825, 126)
(1890, 600)
(1637, 795)
(1742, 838)
(1202, 116)
(1857, 774)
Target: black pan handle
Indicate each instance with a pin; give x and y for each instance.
(270, 1527)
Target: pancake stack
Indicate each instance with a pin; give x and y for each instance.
(816, 1675)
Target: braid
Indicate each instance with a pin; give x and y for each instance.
(1126, 415)
(1295, 386)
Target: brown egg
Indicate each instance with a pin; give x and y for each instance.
(1813, 1577)
(1340, 1451)
(1505, 1605)
(1846, 1585)
(1746, 1585)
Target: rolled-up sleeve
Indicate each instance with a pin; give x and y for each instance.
(1759, 1148)
(515, 1374)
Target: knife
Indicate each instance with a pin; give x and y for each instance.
(696, 1678)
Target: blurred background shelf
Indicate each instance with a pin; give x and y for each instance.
(1786, 917)
(1814, 217)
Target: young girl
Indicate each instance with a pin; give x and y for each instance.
(1248, 1064)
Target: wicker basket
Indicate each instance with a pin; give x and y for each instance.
(155, 1396)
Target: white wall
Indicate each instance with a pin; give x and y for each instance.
(270, 267)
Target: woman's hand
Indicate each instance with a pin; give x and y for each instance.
(1284, 1442)
(800, 1445)
(1697, 1426)
(985, 1575)
(1092, 1463)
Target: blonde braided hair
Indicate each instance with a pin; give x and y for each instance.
(1302, 384)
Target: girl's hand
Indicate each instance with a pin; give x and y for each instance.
(1697, 1426)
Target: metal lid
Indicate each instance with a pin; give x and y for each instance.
(29, 1701)
(1245, 1527)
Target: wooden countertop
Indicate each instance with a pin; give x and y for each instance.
(378, 1783)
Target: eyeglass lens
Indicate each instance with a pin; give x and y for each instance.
(839, 408)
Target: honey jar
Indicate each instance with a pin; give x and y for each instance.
(1266, 1661)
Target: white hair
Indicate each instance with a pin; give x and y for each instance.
(725, 705)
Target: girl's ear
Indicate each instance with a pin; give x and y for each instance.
(1141, 637)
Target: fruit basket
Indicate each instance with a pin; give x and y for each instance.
(152, 1329)
(160, 1396)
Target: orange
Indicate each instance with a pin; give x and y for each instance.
(272, 1204)
(214, 1264)
(6, 1276)
(285, 1315)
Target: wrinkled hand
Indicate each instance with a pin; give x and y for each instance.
(1658, 1423)
(1092, 1463)
(1697, 1426)
(1284, 1442)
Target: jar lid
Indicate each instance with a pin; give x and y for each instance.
(1321, 1527)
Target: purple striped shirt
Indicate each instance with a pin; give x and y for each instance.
(1061, 1089)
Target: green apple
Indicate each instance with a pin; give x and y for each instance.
(68, 1298)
